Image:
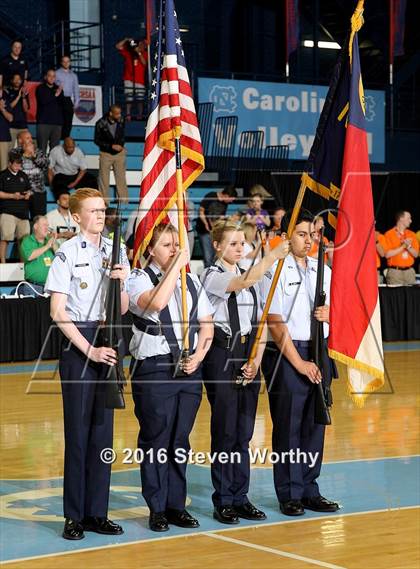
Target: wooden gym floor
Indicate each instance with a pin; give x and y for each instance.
(371, 467)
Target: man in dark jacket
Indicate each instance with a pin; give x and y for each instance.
(49, 114)
(109, 136)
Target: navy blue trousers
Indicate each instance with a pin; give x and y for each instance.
(233, 413)
(292, 398)
(166, 408)
(88, 428)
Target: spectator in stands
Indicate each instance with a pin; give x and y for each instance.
(15, 191)
(256, 214)
(18, 101)
(35, 166)
(135, 60)
(68, 169)
(275, 227)
(110, 137)
(110, 220)
(6, 118)
(37, 253)
(61, 222)
(380, 244)
(402, 249)
(212, 208)
(67, 79)
(49, 113)
(13, 63)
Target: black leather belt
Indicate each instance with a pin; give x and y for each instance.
(222, 340)
(400, 268)
(297, 343)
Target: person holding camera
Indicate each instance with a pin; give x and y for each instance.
(15, 191)
(135, 60)
(18, 100)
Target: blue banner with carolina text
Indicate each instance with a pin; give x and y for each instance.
(287, 113)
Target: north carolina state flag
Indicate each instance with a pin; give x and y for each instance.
(355, 332)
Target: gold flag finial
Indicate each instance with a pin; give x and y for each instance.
(356, 23)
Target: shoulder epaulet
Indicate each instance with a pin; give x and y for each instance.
(137, 271)
(69, 243)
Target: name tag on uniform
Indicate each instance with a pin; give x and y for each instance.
(294, 284)
(82, 265)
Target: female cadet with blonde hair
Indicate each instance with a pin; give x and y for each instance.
(236, 300)
(166, 401)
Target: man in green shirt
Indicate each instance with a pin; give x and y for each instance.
(37, 253)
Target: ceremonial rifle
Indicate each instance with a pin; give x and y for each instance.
(112, 332)
(322, 413)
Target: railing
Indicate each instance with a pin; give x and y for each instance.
(82, 41)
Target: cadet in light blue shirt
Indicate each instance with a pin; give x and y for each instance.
(77, 282)
(291, 375)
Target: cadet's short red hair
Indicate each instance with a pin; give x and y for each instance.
(76, 199)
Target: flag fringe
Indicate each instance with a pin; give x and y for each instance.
(360, 398)
(315, 186)
(376, 383)
(356, 364)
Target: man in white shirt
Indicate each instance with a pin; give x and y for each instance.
(61, 222)
(291, 375)
(68, 169)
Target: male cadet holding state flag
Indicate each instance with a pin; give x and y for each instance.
(338, 170)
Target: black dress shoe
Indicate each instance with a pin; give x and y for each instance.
(249, 512)
(292, 508)
(73, 529)
(320, 504)
(226, 515)
(158, 521)
(181, 518)
(102, 525)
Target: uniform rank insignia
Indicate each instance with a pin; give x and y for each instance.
(61, 256)
(83, 285)
(83, 244)
(105, 263)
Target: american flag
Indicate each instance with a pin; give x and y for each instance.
(172, 115)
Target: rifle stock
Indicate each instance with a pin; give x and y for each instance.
(322, 413)
(112, 333)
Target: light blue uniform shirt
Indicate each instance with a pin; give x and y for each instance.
(144, 345)
(215, 283)
(294, 296)
(81, 271)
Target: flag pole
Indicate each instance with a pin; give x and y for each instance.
(290, 229)
(181, 236)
